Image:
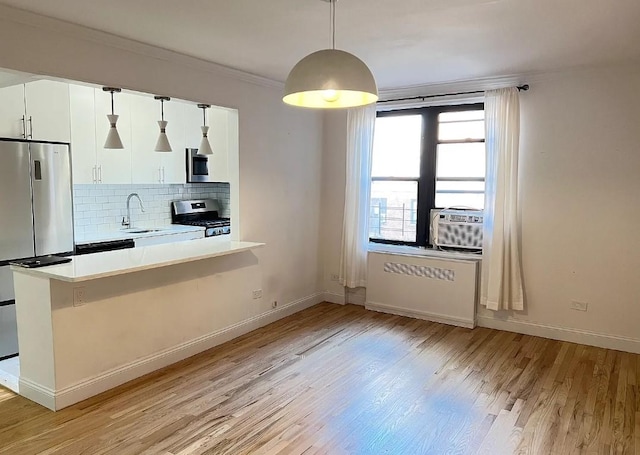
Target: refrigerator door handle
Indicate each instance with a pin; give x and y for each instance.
(37, 170)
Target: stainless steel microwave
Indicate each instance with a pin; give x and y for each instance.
(197, 167)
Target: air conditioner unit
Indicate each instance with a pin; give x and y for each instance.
(457, 228)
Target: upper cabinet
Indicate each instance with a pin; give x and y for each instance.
(12, 114)
(147, 165)
(60, 112)
(219, 137)
(36, 110)
(47, 111)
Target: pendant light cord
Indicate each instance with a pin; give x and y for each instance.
(162, 109)
(112, 110)
(333, 23)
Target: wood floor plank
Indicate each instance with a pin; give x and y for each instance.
(343, 380)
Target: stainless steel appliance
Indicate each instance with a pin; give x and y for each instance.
(197, 167)
(37, 215)
(201, 212)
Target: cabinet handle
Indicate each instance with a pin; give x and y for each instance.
(100, 174)
(162, 174)
(30, 127)
(24, 127)
(94, 174)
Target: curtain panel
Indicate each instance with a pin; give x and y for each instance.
(502, 287)
(355, 228)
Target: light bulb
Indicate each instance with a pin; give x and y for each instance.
(330, 95)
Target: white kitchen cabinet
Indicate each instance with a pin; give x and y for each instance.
(12, 115)
(147, 165)
(36, 110)
(84, 167)
(47, 110)
(113, 165)
(218, 121)
(90, 161)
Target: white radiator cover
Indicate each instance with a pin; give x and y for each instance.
(435, 289)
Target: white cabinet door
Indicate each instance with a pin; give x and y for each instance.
(219, 140)
(114, 165)
(12, 114)
(146, 164)
(173, 163)
(192, 122)
(218, 121)
(83, 134)
(47, 107)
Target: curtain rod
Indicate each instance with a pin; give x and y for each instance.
(521, 88)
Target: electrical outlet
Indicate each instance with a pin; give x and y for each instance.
(257, 294)
(79, 296)
(579, 306)
(274, 304)
(335, 277)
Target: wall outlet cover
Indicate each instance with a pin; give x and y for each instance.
(79, 296)
(579, 306)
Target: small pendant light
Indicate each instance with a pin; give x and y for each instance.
(113, 138)
(330, 78)
(205, 147)
(163, 141)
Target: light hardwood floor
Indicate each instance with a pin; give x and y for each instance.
(343, 380)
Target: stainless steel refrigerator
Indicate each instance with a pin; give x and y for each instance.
(36, 216)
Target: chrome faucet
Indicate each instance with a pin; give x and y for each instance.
(127, 221)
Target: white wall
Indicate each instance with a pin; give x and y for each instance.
(580, 159)
(280, 147)
(580, 165)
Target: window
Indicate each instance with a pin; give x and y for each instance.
(423, 159)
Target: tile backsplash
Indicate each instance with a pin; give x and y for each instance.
(100, 208)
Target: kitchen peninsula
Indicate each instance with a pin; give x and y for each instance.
(106, 318)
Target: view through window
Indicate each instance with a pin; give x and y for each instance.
(424, 159)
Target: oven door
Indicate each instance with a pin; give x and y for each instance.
(197, 167)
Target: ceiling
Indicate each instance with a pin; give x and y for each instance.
(408, 42)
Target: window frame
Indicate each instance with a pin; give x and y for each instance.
(427, 176)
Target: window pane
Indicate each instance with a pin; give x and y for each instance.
(460, 116)
(460, 131)
(460, 160)
(393, 210)
(460, 187)
(396, 146)
(462, 200)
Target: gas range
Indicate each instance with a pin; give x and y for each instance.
(201, 212)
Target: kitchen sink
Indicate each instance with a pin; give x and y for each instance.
(140, 230)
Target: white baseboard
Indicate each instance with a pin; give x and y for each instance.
(92, 386)
(334, 297)
(433, 317)
(562, 333)
(40, 394)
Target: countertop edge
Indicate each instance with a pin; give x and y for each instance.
(43, 273)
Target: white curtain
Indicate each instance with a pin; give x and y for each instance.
(355, 228)
(501, 274)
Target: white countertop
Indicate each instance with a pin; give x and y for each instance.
(123, 234)
(119, 262)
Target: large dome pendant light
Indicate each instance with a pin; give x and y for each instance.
(113, 138)
(330, 78)
(163, 141)
(205, 147)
